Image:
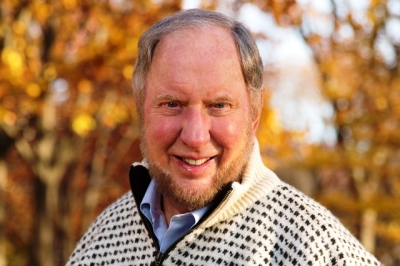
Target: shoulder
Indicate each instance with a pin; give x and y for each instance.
(313, 228)
(119, 211)
(115, 220)
(290, 199)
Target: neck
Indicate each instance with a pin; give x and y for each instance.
(171, 208)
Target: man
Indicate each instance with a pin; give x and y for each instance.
(202, 194)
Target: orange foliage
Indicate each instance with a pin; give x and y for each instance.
(68, 132)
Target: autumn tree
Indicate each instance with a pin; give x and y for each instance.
(68, 130)
(356, 49)
(359, 65)
(67, 118)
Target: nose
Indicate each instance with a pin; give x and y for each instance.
(195, 128)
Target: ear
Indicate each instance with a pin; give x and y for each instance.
(257, 115)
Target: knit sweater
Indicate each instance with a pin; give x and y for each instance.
(259, 221)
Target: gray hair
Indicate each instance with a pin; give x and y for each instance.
(251, 64)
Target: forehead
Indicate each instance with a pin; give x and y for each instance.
(204, 60)
(204, 50)
(200, 40)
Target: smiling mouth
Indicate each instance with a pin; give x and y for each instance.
(195, 162)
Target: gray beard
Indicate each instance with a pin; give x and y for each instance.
(192, 198)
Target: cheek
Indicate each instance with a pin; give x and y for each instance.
(229, 133)
(161, 133)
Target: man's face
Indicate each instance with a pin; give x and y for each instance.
(198, 132)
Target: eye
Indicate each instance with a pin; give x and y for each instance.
(220, 105)
(171, 104)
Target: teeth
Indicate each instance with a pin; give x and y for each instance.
(195, 162)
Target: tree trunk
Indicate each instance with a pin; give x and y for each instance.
(365, 189)
(39, 190)
(367, 234)
(3, 179)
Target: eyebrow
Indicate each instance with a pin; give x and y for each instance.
(166, 97)
(169, 97)
(223, 99)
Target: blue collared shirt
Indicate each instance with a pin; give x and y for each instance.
(179, 224)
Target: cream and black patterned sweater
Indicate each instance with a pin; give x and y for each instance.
(260, 221)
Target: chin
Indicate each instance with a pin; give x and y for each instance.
(191, 194)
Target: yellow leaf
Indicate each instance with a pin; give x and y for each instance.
(42, 11)
(14, 60)
(50, 72)
(69, 4)
(19, 27)
(381, 103)
(120, 114)
(127, 71)
(9, 118)
(85, 86)
(83, 124)
(33, 90)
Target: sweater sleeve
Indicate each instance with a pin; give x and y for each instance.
(117, 236)
(320, 237)
(82, 250)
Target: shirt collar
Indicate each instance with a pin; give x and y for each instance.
(179, 224)
(149, 201)
(150, 205)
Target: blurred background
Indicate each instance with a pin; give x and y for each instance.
(69, 131)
